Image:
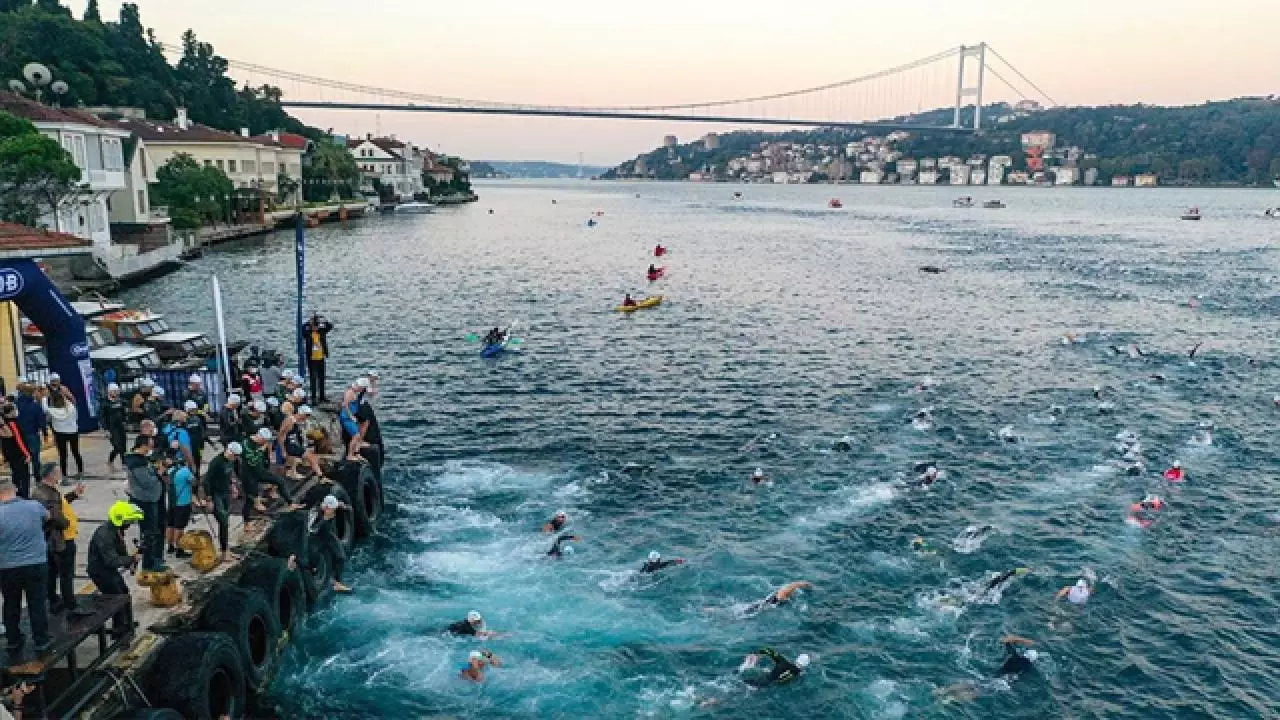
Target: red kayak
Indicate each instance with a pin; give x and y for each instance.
(659, 251)
(657, 273)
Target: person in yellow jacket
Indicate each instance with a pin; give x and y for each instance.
(60, 535)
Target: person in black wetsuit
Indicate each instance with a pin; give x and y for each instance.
(114, 412)
(1017, 660)
(473, 625)
(557, 522)
(1003, 578)
(783, 671)
(656, 563)
(556, 551)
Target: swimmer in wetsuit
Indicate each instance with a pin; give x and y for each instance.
(781, 596)
(476, 662)
(473, 625)
(557, 522)
(656, 563)
(1016, 661)
(783, 671)
(999, 581)
(556, 551)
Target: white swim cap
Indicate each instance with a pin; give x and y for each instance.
(195, 379)
(374, 374)
(233, 399)
(234, 448)
(561, 513)
(112, 387)
(758, 473)
(148, 382)
(273, 401)
(299, 394)
(362, 383)
(189, 405)
(159, 392)
(259, 406)
(55, 377)
(475, 655)
(1082, 584)
(305, 409)
(331, 503)
(1177, 463)
(802, 660)
(473, 617)
(266, 434)
(654, 556)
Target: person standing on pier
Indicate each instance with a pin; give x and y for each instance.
(146, 491)
(23, 567)
(315, 336)
(114, 414)
(60, 536)
(217, 486)
(15, 449)
(108, 555)
(31, 423)
(231, 421)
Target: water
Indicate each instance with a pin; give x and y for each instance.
(787, 327)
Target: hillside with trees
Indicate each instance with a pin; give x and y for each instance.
(1229, 142)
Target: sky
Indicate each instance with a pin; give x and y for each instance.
(613, 52)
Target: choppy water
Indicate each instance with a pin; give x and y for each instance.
(788, 326)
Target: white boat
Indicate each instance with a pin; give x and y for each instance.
(993, 205)
(962, 202)
(414, 208)
(1191, 214)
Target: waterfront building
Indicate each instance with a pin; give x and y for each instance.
(670, 142)
(1121, 181)
(394, 164)
(1091, 176)
(928, 177)
(978, 176)
(1066, 176)
(871, 177)
(1018, 177)
(960, 174)
(1146, 180)
(711, 141)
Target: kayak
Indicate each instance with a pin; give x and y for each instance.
(651, 301)
(493, 350)
(657, 274)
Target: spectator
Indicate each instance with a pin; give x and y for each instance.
(230, 420)
(14, 448)
(217, 485)
(315, 336)
(108, 556)
(195, 394)
(114, 415)
(64, 418)
(15, 699)
(270, 374)
(146, 491)
(179, 440)
(31, 423)
(60, 536)
(24, 558)
(181, 483)
(293, 440)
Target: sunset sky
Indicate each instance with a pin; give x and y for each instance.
(1087, 52)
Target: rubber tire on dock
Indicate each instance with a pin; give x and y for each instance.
(150, 714)
(281, 587)
(344, 525)
(317, 579)
(366, 497)
(289, 534)
(373, 454)
(199, 675)
(253, 627)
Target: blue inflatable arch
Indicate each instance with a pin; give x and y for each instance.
(23, 282)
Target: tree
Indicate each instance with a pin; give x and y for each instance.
(330, 171)
(91, 14)
(52, 6)
(194, 193)
(36, 174)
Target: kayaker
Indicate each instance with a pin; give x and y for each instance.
(493, 337)
(652, 270)
(659, 251)
(628, 301)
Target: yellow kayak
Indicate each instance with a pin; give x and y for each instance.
(651, 301)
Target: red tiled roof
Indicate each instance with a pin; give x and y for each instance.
(152, 131)
(22, 107)
(20, 237)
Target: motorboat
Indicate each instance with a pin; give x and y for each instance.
(993, 205)
(1272, 213)
(1191, 214)
(414, 208)
(962, 202)
(175, 347)
(835, 204)
(737, 194)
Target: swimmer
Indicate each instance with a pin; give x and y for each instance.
(922, 546)
(1275, 400)
(930, 476)
(781, 596)
(1007, 434)
(844, 444)
(656, 563)
(1191, 355)
(1077, 594)
(1175, 474)
(556, 551)
(477, 660)
(1142, 512)
(970, 539)
(1017, 660)
(473, 625)
(759, 478)
(557, 522)
(1001, 580)
(1156, 377)
(782, 672)
(923, 419)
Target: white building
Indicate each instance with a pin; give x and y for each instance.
(1066, 176)
(928, 177)
(394, 164)
(97, 147)
(960, 174)
(871, 177)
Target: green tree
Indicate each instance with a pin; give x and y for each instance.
(36, 174)
(52, 6)
(285, 187)
(329, 171)
(194, 193)
(91, 14)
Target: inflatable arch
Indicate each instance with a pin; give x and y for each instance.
(24, 283)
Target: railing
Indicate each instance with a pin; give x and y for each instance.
(174, 383)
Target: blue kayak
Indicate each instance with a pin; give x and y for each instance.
(493, 350)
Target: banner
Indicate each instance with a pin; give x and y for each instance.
(300, 256)
(222, 333)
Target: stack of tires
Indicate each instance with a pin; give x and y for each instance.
(230, 656)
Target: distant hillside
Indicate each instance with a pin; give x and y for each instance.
(1230, 142)
(535, 169)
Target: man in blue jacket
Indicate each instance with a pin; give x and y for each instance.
(32, 422)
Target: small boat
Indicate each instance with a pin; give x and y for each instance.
(737, 194)
(993, 205)
(1272, 213)
(591, 222)
(414, 208)
(659, 251)
(1191, 214)
(649, 302)
(962, 202)
(835, 204)
(657, 273)
(494, 350)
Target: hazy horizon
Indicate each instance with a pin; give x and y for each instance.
(571, 52)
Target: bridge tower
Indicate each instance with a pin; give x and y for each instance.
(977, 53)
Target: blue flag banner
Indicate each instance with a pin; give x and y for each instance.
(300, 254)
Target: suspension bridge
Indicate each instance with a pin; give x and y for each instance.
(891, 99)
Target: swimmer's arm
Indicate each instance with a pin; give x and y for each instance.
(1062, 593)
(494, 660)
(1016, 640)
